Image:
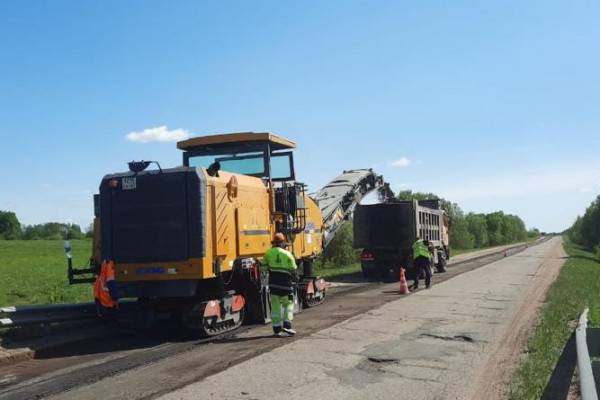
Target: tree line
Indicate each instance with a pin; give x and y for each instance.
(586, 229)
(477, 230)
(12, 229)
(467, 231)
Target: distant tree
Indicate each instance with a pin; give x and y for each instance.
(590, 225)
(410, 195)
(452, 209)
(586, 229)
(534, 233)
(73, 231)
(10, 228)
(341, 251)
(574, 233)
(475, 230)
(460, 237)
(477, 226)
(52, 231)
(494, 222)
(89, 231)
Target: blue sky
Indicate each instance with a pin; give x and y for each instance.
(493, 105)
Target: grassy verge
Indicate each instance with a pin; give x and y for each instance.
(330, 270)
(577, 286)
(35, 272)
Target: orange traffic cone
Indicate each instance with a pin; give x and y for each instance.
(403, 284)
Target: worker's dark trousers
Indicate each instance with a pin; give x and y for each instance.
(422, 267)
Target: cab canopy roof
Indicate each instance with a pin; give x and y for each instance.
(242, 139)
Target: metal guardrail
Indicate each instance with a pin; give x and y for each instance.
(52, 313)
(36, 315)
(586, 367)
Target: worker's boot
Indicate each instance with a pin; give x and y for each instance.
(287, 328)
(277, 331)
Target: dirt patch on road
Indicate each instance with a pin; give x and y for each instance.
(494, 382)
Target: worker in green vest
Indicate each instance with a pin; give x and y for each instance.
(281, 265)
(422, 260)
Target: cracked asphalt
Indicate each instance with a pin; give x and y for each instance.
(435, 344)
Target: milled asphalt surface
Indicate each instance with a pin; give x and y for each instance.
(434, 344)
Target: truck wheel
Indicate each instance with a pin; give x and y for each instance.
(441, 265)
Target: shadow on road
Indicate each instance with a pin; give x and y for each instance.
(560, 381)
(249, 339)
(356, 277)
(100, 345)
(102, 338)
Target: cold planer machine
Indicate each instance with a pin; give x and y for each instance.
(188, 241)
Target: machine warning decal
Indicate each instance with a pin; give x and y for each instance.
(129, 182)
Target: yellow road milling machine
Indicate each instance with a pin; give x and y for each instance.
(187, 242)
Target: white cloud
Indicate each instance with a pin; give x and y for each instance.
(158, 134)
(400, 163)
(585, 189)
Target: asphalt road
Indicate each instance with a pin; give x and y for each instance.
(130, 368)
(436, 344)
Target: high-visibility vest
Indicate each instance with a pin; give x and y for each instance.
(101, 291)
(281, 265)
(278, 259)
(420, 250)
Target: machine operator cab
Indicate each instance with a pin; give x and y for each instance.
(261, 155)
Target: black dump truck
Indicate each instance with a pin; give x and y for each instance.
(387, 231)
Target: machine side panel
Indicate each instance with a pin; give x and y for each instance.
(241, 217)
(310, 241)
(223, 233)
(254, 232)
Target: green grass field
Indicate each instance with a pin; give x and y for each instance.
(35, 272)
(577, 286)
